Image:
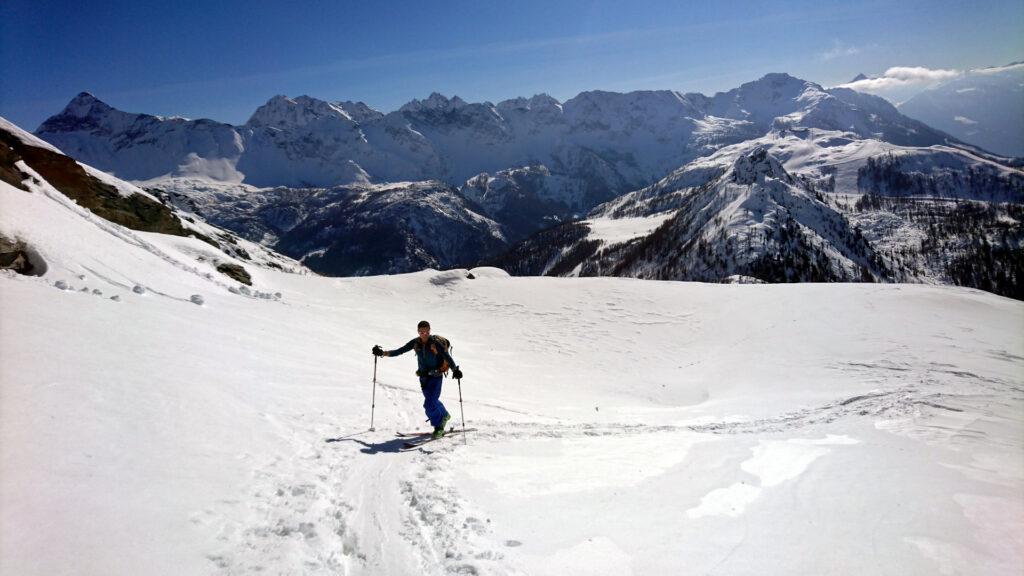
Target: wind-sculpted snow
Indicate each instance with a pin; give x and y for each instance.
(644, 427)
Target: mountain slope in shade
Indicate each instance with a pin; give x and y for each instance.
(984, 107)
(355, 230)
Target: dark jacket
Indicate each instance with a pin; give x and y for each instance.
(428, 362)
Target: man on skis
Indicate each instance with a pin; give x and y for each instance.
(432, 359)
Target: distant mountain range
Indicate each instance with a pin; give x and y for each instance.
(779, 179)
(984, 107)
(804, 206)
(594, 146)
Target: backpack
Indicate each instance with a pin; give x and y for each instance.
(433, 342)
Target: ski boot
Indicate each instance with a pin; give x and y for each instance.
(440, 430)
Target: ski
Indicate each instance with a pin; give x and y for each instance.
(412, 445)
(409, 434)
(426, 432)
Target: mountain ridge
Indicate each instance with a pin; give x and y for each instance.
(633, 138)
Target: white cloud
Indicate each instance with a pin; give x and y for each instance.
(997, 69)
(839, 50)
(902, 76)
(920, 74)
(964, 120)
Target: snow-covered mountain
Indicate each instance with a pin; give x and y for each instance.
(619, 426)
(604, 143)
(77, 200)
(140, 146)
(804, 205)
(524, 164)
(984, 107)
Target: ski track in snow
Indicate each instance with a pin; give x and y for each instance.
(339, 499)
(334, 503)
(331, 509)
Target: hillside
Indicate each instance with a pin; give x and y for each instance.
(621, 425)
(804, 205)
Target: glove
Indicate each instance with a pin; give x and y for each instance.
(377, 351)
(456, 373)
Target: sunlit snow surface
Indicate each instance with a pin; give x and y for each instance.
(622, 426)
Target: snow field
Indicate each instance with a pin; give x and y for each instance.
(624, 426)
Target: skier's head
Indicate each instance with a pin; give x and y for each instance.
(423, 328)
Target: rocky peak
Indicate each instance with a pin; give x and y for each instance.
(360, 112)
(85, 104)
(83, 112)
(537, 103)
(756, 165)
(628, 110)
(284, 112)
(436, 102)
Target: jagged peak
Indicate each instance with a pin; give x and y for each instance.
(282, 111)
(543, 98)
(436, 101)
(85, 104)
(360, 111)
(756, 165)
(540, 101)
(85, 97)
(777, 81)
(662, 103)
(633, 95)
(858, 78)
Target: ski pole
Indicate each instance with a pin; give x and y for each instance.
(461, 412)
(373, 402)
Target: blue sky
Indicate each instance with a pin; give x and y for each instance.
(222, 59)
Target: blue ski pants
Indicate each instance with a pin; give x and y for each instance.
(431, 386)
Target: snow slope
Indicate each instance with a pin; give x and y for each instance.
(623, 426)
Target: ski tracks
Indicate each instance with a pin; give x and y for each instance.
(449, 533)
(356, 505)
(295, 517)
(351, 505)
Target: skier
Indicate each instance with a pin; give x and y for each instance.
(433, 358)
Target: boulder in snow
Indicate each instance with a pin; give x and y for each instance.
(18, 256)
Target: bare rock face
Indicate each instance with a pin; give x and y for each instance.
(16, 255)
(235, 272)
